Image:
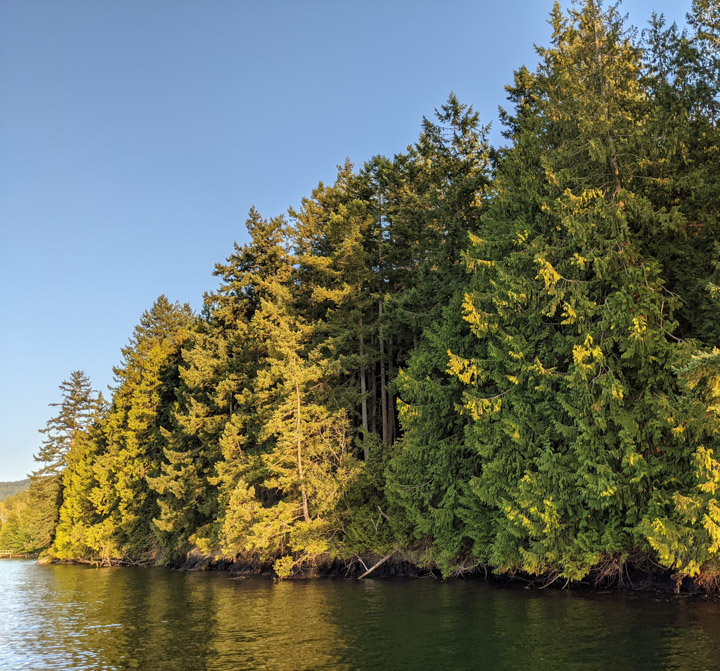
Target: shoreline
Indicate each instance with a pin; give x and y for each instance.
(633, 580)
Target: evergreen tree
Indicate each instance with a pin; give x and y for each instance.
(78, 513)
(288, 481)
(186, 495)
(133, 436)
(430, 468)
(331, 237)
(62, 433)
(571, 391)
(15, 534)
(214, 420)
(685, 530)
(679, 173)
(435, 202)
(76, 412)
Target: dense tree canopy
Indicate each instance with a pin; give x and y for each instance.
(504, 357)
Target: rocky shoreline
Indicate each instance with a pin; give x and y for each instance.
(633, 579)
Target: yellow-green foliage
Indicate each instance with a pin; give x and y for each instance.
(507, 358)
(15, 523)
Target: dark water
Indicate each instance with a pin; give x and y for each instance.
(71, 617)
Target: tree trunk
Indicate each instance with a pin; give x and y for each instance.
(363, 392)
(373, 396)
(391, 398)
(306, 511)
(383, 384)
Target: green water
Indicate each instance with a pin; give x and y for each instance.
(72, 617)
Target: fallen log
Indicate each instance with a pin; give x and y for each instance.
(372, 568)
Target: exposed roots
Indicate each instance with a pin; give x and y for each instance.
(614, 569)
(709, 578)
(465, 567)
(611, 570)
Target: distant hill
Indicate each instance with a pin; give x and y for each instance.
(10, 488)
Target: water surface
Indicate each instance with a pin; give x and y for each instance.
(76, 617)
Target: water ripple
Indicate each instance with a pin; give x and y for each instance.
(72, 617)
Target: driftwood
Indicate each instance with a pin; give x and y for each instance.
(372, 568)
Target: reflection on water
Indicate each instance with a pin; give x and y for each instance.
(72, 617)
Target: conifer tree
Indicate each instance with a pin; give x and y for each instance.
(288, 485)
(15, 534)
(435, 202)
(76, 411)
(133, 435)
(571, 392)
(445, 196)
(215, 421)
(331, 239)
(78, 512)
(685, 530)
(62, 433)
(186, 496)
(679, 173)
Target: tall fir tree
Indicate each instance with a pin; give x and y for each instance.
(76, 411)
(678, 171)
(331, 237)
(133, 436)
(63, 432)
(430, 466)
(215, 420)
(284, 503)
(571, 391)
(77, 513)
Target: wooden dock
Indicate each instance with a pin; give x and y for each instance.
(9, 554)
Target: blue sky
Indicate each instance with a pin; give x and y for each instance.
(135, 136)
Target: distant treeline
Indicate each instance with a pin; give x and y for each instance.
(10, 488)
(504, 357)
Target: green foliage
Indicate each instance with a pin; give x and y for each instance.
(77, 410)
(302, 463)
(429, 474)
(15, 525)
(501, 357)
(110, 513)
(572, 400)
(63, 433)
(369, 526)
(679, 169)
(78, 513)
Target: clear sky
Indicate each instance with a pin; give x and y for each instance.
(135, 136)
